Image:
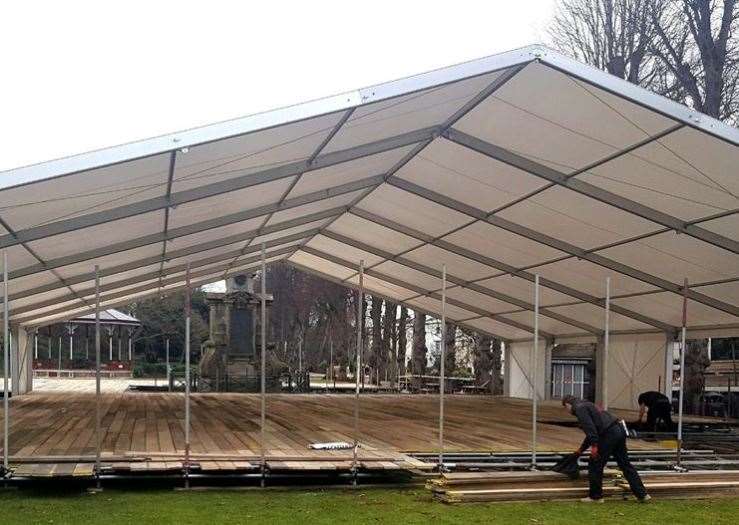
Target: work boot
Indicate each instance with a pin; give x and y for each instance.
(646, 499)
(591, 500)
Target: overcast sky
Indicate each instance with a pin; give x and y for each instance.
(78, 76)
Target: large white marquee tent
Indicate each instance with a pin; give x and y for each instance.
(520, 164)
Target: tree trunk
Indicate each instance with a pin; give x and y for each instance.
(389, 342)
(375, 357)
(402, 340)
(483, 360)
(496, 385)
(450, 349)
(418, 355)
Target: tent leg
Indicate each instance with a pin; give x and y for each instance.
(534, 373)
(187, 378)
(606, 341)
(442, 371)
(98, 437)
(263, 388)
(6, 363)
(682, 375)
(360, 326)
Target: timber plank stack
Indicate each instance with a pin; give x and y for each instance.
(464, 487)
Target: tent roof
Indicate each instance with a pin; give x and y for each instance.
(521, 163)
(109, 316)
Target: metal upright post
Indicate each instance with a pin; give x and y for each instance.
(6, 364)
(534, 374)
(358, 370)
(330, 361)
(187, 377)
(35, 344)
(682, 374)
(263, 333)
(98, 437)
(442, 375)
(606, 341)
(166, 360)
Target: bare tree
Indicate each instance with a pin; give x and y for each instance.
(376, 349)
(614, 35)
(418, 355)
(402, 340)
(697, 46)
(450, 349)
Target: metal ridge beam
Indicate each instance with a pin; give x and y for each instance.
(200, 226)
(560, 245)
(457, 280)
(216, 188)
(497, 83)
(420, 290)
(507, 268)
(571, 182)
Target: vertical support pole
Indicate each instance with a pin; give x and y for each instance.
(330, 362)
(49, 343)
(442, 368)
(187, 378)
(358, 370)
(110, 345)
(606, 341)
(682, 373)
(6, 364)
(59, 358)
(35, 344)
(98, 437)
(71, 342)
(130, 348)
(263, 333)
(534, 373)
(166, 359)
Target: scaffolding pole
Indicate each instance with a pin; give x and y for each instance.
(263, 333)
(442, 375)
(187, 377)
(98, 437)
(6, 362)
(360, 323)
(682, 374)
(606, 342)
(534, 374)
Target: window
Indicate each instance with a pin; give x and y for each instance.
(569, 378)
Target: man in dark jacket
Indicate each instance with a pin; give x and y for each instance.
(606, 437)
(658, 408)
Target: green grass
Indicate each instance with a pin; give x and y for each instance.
(333, 506)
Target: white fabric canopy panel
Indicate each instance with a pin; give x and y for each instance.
(520, 163)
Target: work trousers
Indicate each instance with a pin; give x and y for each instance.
(661, 410)
(613, 443)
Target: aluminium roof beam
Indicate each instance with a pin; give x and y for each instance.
(200, 226)
(563, 246)
(353, 286)
(457, 280)
(420, 290)
(507, 268)
(582, 187)
(216, 188)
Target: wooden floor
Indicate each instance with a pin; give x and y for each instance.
(146, 430)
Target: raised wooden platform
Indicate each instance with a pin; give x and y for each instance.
(52, 434)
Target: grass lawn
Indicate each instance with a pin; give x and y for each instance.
(332, 506)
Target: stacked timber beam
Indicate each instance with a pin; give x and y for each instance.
(521, 486)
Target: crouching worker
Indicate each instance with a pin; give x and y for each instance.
(606, 437)
(658, 408)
